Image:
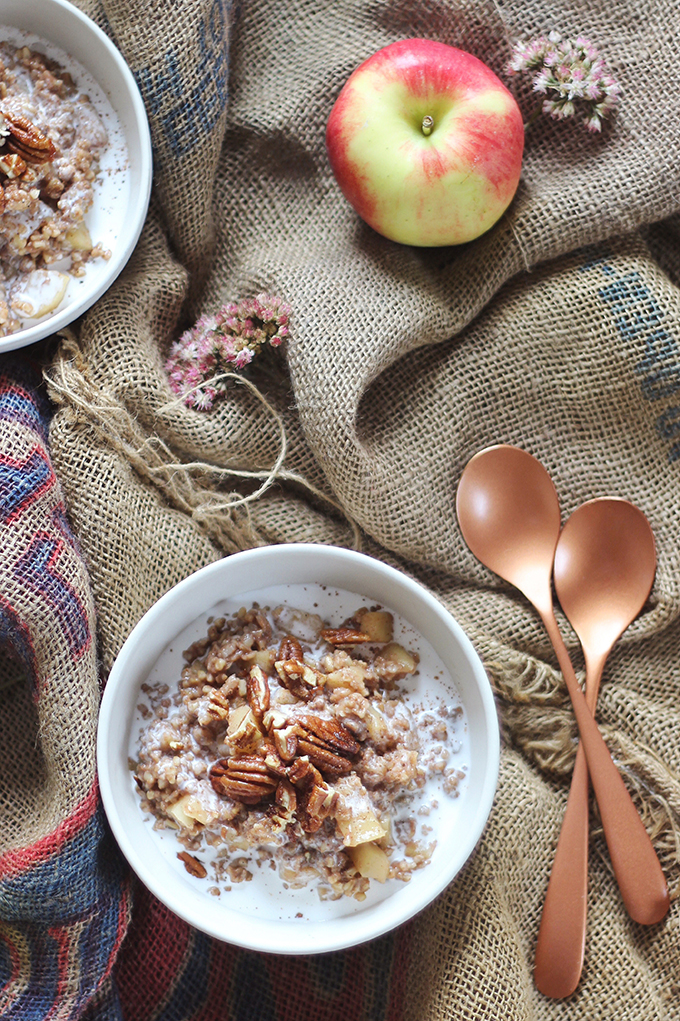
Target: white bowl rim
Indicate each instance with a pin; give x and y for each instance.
(253, 933)
(138, 210)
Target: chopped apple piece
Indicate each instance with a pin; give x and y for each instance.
(236, 718)
(39, 294)
(378, 625)
(188, 810)
(179, 815)
(396, 660)
(354, 813)
(299, 623)
(370, 861)
(376, 723)
(264, 658)
(351, 677)
(79, 238)
(286, 698)
(243, 731)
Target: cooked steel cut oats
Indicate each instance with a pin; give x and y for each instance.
(289, 742)
(51, 141)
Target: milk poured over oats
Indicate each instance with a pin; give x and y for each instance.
(307, 748)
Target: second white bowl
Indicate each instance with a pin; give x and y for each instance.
(59, 30)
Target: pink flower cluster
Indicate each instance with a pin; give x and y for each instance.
(573, 76)
(221, 343)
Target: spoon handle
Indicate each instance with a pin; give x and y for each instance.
(562, 934)
(636, 866)
(561, 941)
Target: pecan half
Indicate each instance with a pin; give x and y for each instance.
(329, 732)
(290, 648)
(328, 745)
(257, 691)
(283, 812)
(246, 779)
(309, 823)
(215, 709)
(28, 141)
(321, 801)
(343, 636)
(286, 799)
(282, 733)
(323, 758)
(273, 761)
(314, 797)
(193, 866)
(273, 719)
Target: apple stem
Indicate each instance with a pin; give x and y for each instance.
(427, 125)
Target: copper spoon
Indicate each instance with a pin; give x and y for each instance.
(603, 572)
(509, 515)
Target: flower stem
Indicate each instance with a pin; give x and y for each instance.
(534, 117)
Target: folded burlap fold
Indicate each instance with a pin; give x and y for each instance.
(557, 331)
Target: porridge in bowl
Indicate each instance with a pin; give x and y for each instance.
(233, 888)
(52, 140)
(299, 743)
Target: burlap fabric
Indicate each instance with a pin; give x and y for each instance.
(557, 331)
(64, 896)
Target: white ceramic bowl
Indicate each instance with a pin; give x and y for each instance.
(264, 918)
(59, 30)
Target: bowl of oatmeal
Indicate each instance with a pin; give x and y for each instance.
(75, 167)
(298, 748)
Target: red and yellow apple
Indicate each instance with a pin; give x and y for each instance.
(426, 143)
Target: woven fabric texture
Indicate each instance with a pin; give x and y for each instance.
(557, 331)
(64, 897)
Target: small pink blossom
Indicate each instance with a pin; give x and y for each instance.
(222, 343)
(572, 76)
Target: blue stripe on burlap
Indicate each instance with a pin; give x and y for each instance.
(105, 1006)
(252, 996)
(193, 984)
(69, 903)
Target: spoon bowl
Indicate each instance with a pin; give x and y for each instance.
(509, 515)
(605, 563)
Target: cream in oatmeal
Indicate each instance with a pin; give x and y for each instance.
(291, 743)
(51, 144)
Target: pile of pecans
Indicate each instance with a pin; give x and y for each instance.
(288, 758)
